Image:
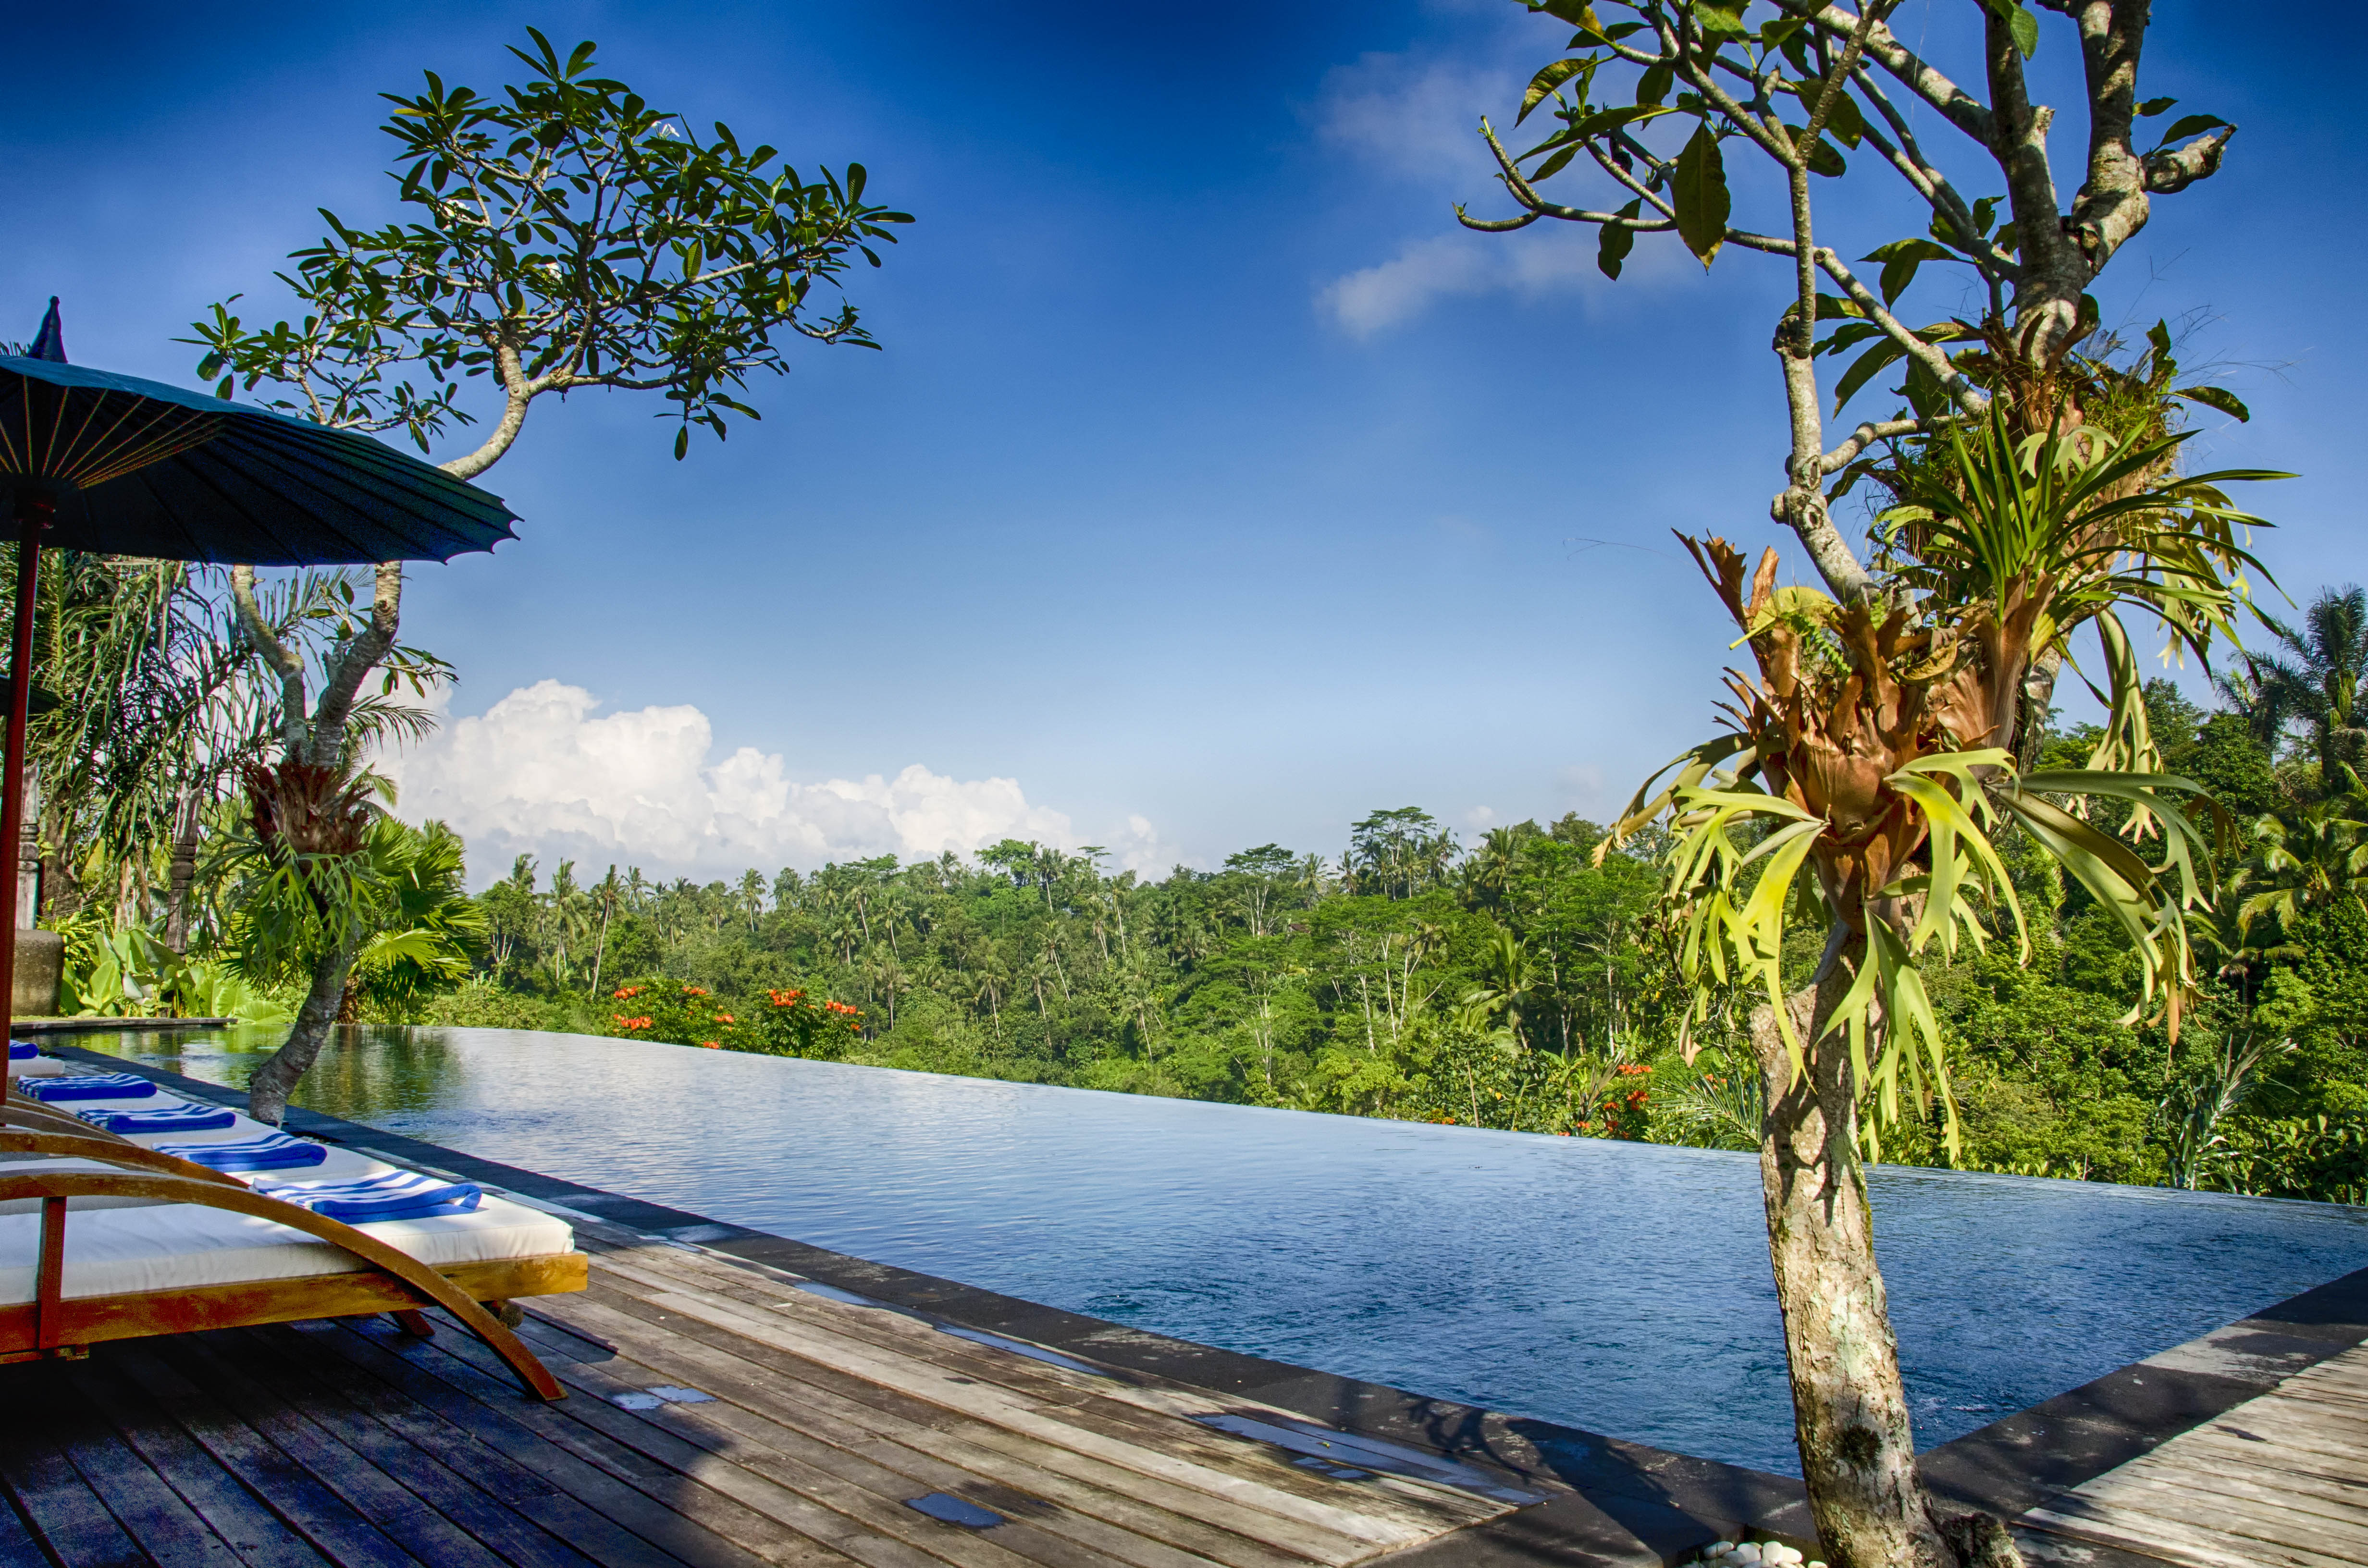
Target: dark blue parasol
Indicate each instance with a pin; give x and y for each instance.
(119, 466)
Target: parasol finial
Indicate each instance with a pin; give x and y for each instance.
(50, 343)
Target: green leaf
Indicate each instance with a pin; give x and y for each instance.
(2153, 106)
(1614, 244)
(1553, 166)
(2189, 125)
(1578, 13)
(1543, 85)
(1702, 202)
(1868, 366)
(2221, 398)
(1655, 84)
(1985, 212)
(1595, 124)
(1721, 18)
(2020, 25)
(1900, 259)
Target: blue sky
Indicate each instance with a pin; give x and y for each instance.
(1212, 488)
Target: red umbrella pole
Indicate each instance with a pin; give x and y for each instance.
(32, 516)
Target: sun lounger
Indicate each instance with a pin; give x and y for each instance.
(105, 1236)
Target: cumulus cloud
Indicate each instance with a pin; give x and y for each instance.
(540, 772)
(1445, 265)
(1419, 116)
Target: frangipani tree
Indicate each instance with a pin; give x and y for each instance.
(564, 235)
(1881, 741)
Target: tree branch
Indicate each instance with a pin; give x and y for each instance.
(344, 674)
(284, 661)
(1962, 108)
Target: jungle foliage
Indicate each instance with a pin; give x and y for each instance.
(1518, 984)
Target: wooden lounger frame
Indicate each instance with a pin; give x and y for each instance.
(54, 1324)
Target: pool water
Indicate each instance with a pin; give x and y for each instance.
(1623, 1287)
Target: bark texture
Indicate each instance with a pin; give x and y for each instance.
(267, 1091)
(1849, 1404)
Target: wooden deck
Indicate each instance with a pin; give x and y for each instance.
(786, 1428)
(2277, 1481)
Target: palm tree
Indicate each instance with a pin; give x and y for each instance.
(2324, 684)
(608, 893)
(752, 897)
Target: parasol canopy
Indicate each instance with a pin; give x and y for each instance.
(132, 467)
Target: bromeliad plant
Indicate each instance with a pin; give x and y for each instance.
(1870, 768)
(1866, 750)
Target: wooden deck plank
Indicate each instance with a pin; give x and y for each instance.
(1010, 1394)
(564, 1428)
(2280, 1480)
(1286, 1534)
(2175, 1540)
(402, 1512)
(856, 1522)
(18, 1546)
(867, 1494)
(931, 1438)
(451, 1492)
(533, 1495)
(305, 1504)
(149, 1510)
(1118, 1405)
(740, 1409)
(2177, 1495)
(649, 1520)
(54, 1498)
(261, 1538)
(1113, 1409)
(1012, 1414)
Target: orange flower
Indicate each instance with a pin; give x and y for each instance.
(712, 1044)
(692, 991)
(626, 992)
(722, 1017)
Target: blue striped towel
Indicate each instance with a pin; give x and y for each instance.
(104, 1086)
(273, 1151)
(22, 1051)
(182, 1117)
(397, 1195)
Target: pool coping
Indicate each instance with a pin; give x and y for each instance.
(1611, 1501)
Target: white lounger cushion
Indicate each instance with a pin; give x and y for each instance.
(36, 1067)
(176, 1246)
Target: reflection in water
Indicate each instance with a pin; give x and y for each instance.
(1618, 1286)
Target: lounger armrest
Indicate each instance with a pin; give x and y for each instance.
(89, 1145)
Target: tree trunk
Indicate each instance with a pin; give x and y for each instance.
(267, 1091)
(183, 872)
(1850, 1407)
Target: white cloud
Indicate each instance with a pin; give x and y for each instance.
(1420, 117)
(1447, 266)
(540, 773)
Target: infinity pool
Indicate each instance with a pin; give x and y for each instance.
(1618, 1286)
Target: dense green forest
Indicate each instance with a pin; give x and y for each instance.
(1521, 982)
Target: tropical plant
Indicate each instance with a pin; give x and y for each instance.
(1865, 752)
(2323, 682)
(564, 234)
(1887, 732)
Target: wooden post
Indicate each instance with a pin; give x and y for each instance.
(33, 514)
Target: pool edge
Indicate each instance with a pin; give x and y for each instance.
(1618, 1502)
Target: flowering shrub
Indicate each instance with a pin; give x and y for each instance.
(790, 1022)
